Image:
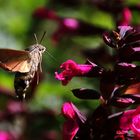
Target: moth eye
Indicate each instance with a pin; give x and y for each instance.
(42, 49)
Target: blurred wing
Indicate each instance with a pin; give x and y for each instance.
(15, 60)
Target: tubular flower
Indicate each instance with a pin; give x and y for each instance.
(71, 69)
(130, 121)
(126, 16)
(74, 119)
(5, 135)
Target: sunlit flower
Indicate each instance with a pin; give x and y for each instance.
(130, 120)
(71, 23)
(136, 125)
(74, 119)
(126, 16)
(5, 136)
(71, 69)
(70, 128)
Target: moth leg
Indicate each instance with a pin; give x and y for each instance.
(40, 67)
(37, 77)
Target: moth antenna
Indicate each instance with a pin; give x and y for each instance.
(46, 51)
(36, 38)
(42, 37)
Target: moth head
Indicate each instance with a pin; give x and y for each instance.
(41, 48)
(37, 47)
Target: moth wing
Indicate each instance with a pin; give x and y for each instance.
(15, 60)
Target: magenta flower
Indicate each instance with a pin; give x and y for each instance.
(70, 128)
(5, 135)
(126, 17)
(68, 111)
(72, 26)
(136, 125)
(130, 120)
(71, 23)
(68, 26)
(74, 119)
(71, 69)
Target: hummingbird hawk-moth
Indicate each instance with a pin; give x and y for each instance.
(24, 63)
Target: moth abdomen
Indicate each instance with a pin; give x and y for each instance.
(22, 83)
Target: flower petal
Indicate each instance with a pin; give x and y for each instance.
(68, 111)
(71, 69)
(70, 129)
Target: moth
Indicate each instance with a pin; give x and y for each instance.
(24, 63)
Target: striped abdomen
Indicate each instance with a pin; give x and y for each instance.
(22, 83)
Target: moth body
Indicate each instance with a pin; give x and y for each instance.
(23, 79)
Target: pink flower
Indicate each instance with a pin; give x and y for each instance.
(70, 128)
(136, 125)
(71, 69)
(71, 23)
(130, 120)
(15, 107)
(66, 26)
(126, 16)
(74, 118)
(5, 135)
(68, 111)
